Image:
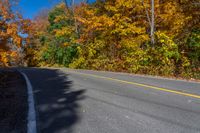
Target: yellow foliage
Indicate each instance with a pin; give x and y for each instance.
(3, 58)
(66, 44)
(65, 31)
(60, 18)
(6, 57)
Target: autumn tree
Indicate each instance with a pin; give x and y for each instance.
(37, 38)
(12, 27)
(54, 40)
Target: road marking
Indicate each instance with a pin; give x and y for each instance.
(31, 125)
(143, 85)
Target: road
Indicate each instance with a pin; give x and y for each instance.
(81, 101)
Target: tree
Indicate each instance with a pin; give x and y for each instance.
(37, 38)
(152, 22)
(12, 27)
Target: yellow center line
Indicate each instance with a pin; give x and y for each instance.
(143, 85)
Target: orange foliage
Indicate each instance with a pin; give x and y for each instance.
(11, 26)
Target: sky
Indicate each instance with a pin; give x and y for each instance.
(30, 8)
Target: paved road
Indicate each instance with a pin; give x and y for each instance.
(80, 101)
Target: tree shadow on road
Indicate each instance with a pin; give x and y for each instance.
(57, 102)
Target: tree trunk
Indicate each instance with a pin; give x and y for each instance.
(152, 23)
(75, 20)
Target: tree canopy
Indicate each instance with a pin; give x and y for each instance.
(114, 35)
(12, 29)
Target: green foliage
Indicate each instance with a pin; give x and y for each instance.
(59, 46)
(58, 18)
(60, 55)
(194, 46)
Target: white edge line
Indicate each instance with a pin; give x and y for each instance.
(31, 125)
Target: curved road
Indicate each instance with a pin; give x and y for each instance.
(81, 101)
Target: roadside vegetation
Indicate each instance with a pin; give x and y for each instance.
(118, 35)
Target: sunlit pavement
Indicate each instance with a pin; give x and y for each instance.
(80, 101)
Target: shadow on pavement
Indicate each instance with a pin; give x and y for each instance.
(13, 102)
(57, 104)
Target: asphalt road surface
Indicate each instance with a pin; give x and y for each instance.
(80, 101)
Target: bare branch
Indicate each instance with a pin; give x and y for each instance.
(147, 13)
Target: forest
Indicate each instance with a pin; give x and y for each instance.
(154, 37)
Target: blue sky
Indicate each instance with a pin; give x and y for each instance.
(29, 8)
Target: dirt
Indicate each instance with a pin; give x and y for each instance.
(13, 102)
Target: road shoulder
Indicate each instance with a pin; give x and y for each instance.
(13, 102)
